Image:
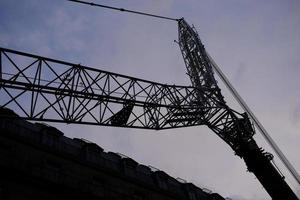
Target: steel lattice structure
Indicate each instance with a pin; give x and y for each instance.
(52, 90)
(235, 129)
(199, 68)
(45, 89)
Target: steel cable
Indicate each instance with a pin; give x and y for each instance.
(124, 10)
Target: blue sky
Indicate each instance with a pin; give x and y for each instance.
(256, 43)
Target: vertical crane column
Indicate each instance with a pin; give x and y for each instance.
(234, 128)
(259, 163)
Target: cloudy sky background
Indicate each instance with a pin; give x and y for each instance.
(256, 43)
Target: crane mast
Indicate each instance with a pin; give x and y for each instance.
(45, 89)
(235, 129)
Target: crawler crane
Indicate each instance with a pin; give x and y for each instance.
(45, 89)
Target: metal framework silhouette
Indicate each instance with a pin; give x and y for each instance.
(45, 89)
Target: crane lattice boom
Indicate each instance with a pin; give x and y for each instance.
(239, 132)
(45, 89)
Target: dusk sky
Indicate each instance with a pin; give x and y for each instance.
(256, 43)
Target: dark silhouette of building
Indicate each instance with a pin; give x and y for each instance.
(38, 162)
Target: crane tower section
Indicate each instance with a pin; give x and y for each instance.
(234, 128)
(220, 118)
